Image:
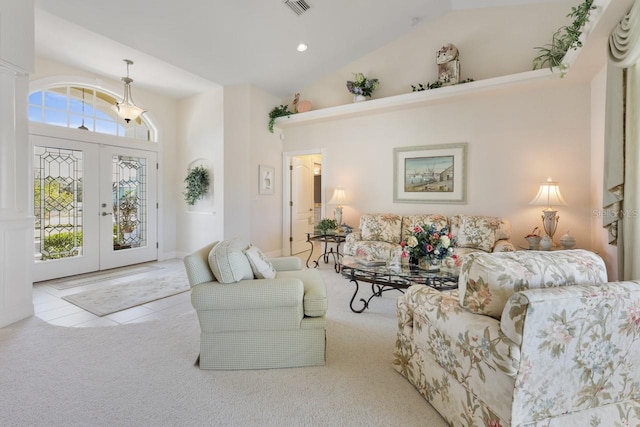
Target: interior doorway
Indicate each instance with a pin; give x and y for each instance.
(304, 198)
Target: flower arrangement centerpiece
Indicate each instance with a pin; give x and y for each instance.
(361, 87)
(430, 244)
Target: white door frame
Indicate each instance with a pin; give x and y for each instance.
(286, 192)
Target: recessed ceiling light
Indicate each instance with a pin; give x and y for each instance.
(302, 47)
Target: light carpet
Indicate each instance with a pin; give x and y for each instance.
(143, 375)
(85, 279)
(113, 298)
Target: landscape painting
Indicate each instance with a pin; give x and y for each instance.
(430, 174)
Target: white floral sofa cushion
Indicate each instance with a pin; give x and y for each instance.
(479, 232)
(379, 235)
(487, 282)
(562, 355)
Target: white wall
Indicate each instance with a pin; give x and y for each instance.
(489, 40)
(228, 128)
(200, 140)
(266, 149)
(516, 139)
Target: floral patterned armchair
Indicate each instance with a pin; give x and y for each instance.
(379, 235)
(529, 339)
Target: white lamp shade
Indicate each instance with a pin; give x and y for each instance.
(339, 197)
(548, 195)
(128, 112)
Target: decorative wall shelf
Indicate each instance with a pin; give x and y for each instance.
(415, 99)
(459, 91)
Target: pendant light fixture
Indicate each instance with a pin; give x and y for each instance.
(83, 127)
(127, 109)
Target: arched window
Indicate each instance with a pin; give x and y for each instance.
(86, 108)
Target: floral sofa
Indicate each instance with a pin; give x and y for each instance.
(379, 235)
(529, 339)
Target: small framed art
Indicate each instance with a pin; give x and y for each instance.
(266, 179)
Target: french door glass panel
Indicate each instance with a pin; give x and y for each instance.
(65, 191)
(128, 209)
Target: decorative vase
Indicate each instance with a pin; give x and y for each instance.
(534, 242)
(567, 241)
(359, 98)
(413, 260)
(434, 265)
(546, 243)
(431, 265)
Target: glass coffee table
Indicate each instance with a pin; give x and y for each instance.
(384, 278)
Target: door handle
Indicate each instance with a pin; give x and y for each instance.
(107, 213)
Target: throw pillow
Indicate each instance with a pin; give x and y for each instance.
(477, 232)
(229, 263)
(381, 227)
(260, 264)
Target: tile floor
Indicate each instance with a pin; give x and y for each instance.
(50, 307)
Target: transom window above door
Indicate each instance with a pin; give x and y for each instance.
(83, 108)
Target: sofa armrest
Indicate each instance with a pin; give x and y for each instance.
(288, 263)
(354, 236)
(478, 337)
(197, 266)
(579, 347)
(248, 294)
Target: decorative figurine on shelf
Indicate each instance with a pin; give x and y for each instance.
(448, 64)
(567, 241)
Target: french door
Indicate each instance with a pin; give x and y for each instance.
(95, 206)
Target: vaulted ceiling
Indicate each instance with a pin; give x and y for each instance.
(183, 47)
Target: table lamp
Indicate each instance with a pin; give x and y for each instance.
(549, 196)
(339, 199)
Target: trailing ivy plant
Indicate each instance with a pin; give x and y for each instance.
(564, 39)
(420, 87)
(279, 111)
(197, 181)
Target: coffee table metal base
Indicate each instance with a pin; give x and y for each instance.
(383, 279)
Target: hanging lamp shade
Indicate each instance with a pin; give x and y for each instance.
(127, 109)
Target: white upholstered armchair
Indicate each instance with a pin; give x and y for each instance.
(254, 323)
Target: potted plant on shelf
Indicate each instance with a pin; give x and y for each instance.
(279, 111)
(361, 87)
(564, 39)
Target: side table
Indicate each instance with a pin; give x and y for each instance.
(325, 239)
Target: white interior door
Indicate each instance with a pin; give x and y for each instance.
(94, 206)
(301, 202)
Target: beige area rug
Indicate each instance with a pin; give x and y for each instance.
(119, 297)
(85, 279)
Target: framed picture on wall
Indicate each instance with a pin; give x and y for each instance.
(430, 174)
(266, 179)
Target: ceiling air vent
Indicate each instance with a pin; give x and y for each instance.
(298, 6)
